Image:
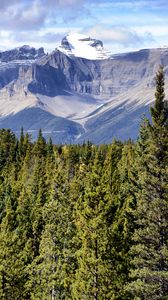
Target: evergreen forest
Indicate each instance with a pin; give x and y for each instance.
(86, 222)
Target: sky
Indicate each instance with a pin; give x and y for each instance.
(122, 26)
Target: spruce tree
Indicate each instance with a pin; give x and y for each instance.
(11, 265)
(52, 269)
(93, 274)
(40, 145)
(123, 227)
(149, 273)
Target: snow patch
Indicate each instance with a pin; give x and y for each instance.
(80, 45)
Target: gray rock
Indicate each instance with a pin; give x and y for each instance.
(124, 85)
(22, 53)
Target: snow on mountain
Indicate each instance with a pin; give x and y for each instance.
(73, 99)
(80, 45)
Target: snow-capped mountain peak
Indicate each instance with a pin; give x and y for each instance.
(84, 46)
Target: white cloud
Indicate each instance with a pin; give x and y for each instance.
(123, 24)
(34, 14)
(115, 35)
(22, 16)
(157, 30)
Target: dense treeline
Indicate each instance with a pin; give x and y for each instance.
(84, 221)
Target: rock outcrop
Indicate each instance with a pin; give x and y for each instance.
(98, 98)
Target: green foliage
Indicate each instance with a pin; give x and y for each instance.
(149, 272)
(86, 222)
(93, 272)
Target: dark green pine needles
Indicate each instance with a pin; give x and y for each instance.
(149, 253)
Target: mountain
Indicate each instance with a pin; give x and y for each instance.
(21, 53)
(73, 98)
(80, 45)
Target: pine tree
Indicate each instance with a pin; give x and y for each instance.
(93, 275)
(38, 200)
(52, 269)
(7, 147)
(149, 272)
(40, 145)
(11, 266)
(123, 223)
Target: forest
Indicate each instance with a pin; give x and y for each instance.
(86, 222)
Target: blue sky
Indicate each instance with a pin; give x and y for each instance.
(122, 25)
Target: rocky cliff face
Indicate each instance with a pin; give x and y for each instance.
(21, 53)
(102, 78)
(98, 98)
(12, 61)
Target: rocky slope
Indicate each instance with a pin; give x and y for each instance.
(73, 98)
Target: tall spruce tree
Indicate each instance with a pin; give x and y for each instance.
(122, 227)
(52, 269)
(11, 266)
(93, 274)
(149, 273)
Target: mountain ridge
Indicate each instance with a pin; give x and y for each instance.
(99, 96)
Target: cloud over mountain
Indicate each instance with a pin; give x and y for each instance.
(123, 25)
(117, 35)
(33, 14)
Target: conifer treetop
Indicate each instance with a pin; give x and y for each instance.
(159, 112)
